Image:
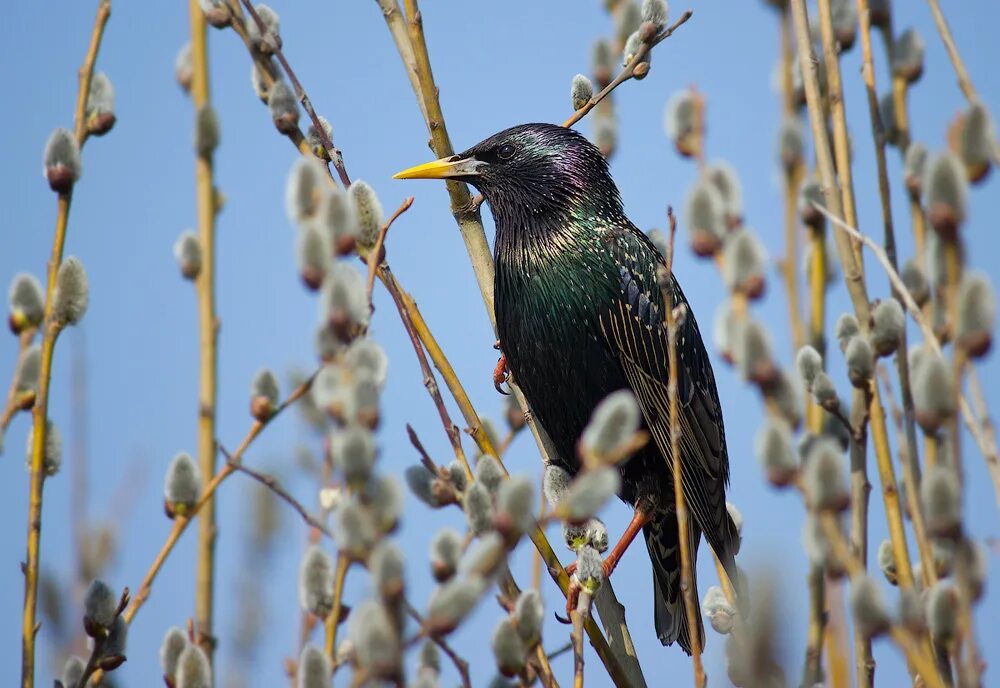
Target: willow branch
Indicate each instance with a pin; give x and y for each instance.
(629, 70)
(683, 528)
(332, 151)
(50, 331)
(208, 337)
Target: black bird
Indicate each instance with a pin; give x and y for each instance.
(580, 315)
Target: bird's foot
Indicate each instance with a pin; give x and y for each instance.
(500, 373)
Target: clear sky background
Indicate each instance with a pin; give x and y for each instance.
(497, 64)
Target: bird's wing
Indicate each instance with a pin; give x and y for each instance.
(632, 324)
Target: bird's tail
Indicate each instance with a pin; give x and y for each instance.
(669, 615)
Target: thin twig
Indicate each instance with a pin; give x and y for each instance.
(964, 82)
(683, 529)
(629, 71)
(181, 522)
(377, 252)
(332, 151)
(986, 446)
(50, 331)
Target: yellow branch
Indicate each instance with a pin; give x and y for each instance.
(50, 331)
(208, 338)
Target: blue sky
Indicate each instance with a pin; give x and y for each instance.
(497, 64)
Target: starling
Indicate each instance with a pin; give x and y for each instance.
(580, 314)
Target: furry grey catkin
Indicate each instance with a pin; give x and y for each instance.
(529, 614)
(809, 364)
(791, 143)
(612, 424)
(51, 451)
(446, 550)
(976, 314)
(316, 582)
(753, 354)
(868, 604)
(555, 483)
(744, 262)
(721, 615)
(588, 492)
(267, 40)
(589, 569)
(187, 252)
(887, 562)
(860, 362)
(376, 642)
(100, 605)
(846, 329)
(264, 394)
(977, 144)
(207, 132)
(385, 496)
(62, 160)
(304, 190)
(773, 446)
(72, 293)
(941, 498)
(451, 602)
(182, 486)
(174, 643)
(825, 476)
(315, 140)
(478, 506)
(946, 193)
(484, 558)
(421, 484)
(908, 56)
(355, 530)
(353, 451)
(387, 569)
(933, 392)
(284, 107)
(915, 281)
(508, 648)
(705, 219)
(723, 177)
(193, 668)
(314, 669)
(515, 504)
(72, 671)
(369, 212)
(581, 90)
(26, 301)
(489, 473)
(888, 325)
(914, 166)
(312, 255)
(100, 113)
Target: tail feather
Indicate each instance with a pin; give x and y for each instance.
(669, 615)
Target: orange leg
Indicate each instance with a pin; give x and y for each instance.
(500, 373)
(610, 562)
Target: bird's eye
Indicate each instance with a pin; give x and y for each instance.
(506, 151)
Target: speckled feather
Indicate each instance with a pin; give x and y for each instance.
(580, 315)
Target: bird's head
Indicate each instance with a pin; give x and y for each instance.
(531, 168)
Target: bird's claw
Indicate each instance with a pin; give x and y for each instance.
(572, 599)
(501, 374)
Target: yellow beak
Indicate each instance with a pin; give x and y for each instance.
(443, 169)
